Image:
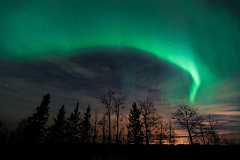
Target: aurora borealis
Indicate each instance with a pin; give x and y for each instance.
(198, 39)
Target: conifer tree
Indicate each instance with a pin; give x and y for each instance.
(35, 131)
(73, 125)
(86, 125)
(135, 134)
(57, 130)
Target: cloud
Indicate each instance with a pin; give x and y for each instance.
(70, 68)
(229, 113)
(217, 108)
(228, 89)
(231, 95)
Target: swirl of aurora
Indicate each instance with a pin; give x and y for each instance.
(32, 29)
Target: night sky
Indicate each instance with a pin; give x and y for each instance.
(173, 52)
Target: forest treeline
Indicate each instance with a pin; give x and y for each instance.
(145, 126)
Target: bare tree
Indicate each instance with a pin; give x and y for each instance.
(171, 135)
(107, 100)
(102, 123)
(162, 131)
(184, 116)
(117, 106)
(228, 139)
(212, 136)
(114, 126)
(150, 118)
(200, 129)
(121, 135)
(95, 126)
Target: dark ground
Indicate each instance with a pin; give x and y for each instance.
(125, 152)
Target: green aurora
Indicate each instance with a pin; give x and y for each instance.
(200, 37)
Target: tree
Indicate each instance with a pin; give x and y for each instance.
(56, 133)
(162, 131)
(73, 125)
(15, 135)
(121, 136)
(228, 140)
(212, 136)
(4, 132)
(117, 106)
(35, 131)
(184, 116)
(200, 129)
(171, 135)
(150, 119)
(86, 125)
(166, 132)
(134, 127)
(95, 126)
(102, 123)
(107, 100)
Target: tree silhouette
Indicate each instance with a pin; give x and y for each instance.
(117, 106)
(35, 131)
(134, 127)
(102, 123)
(73, 126)
(15, 135)
(4, 131)
(86, 125)
(184, 116)
(212, 136)
(171, 135)
(121, 136)
(162, 131)
(150, 119)
(200, 129)
(56, 133)
(95, 126)
(229, 140)
(107, 100)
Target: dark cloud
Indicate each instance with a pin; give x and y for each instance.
(88, 75)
